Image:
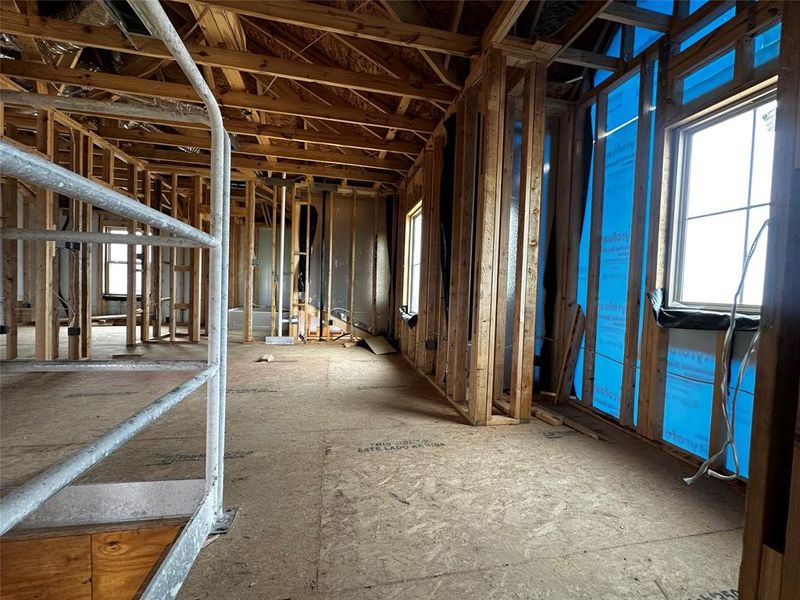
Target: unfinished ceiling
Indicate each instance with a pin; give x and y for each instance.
(306, 90)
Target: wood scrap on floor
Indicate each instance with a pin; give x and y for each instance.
(552, 418)
(379, 345)
(567, 373)
(266, 358)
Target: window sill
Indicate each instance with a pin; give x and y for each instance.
(687, 317)
(118, 297)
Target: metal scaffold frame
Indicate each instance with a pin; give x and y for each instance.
(19, 163)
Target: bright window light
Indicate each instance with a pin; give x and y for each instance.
(116, 280)
(722, 200)
(413, 257)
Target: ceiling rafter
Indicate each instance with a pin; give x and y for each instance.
(288, 134)
(320, 170)
(335, 20)
(231, 61)
(140, 137)
(184, 92)
(408, 13)
(502, 21)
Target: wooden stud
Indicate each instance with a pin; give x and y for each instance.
(482, 361)
(772, 514)
(195, 297)
(635, 262)
(598, 184)
(76, 220)
(130, 321)
(250, 254)
(527, 285)
(173, 258)
(88, 251)
(461, 274)
(352, 293)
(45, 139)
(512, 108)
(652, 382)
(294, 293)
(147, 257)
(10, 263)
(274, 263)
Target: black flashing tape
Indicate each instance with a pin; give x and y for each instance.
(697, 318)
(73, 331)
(409, 319)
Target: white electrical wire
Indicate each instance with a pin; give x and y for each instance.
(730, 418)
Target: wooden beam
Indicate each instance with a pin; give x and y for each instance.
(596, 223)
(590, 60)
(295, 134)
(527, 284)
(630, 14)
(637, 249)
(485, 292)
(147, 258)
(132, 186)
(345, 22)
(196, 257)
(174, 139)
(519, 52)
(87, 255)
(502, 21)
(45, 251)
(581, 20)
(178, 91)
(772, 514)
(111, 38)
(409, 13)
(250, 254)
(149, 153)
(461, 264)
(10, 261)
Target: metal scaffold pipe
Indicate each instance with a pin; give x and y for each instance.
(36, 170)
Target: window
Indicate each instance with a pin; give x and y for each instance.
(722, 200)
(116, 263)
(413, 257)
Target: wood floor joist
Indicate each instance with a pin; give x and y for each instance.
(111, 38)
(177, 91)
(174, 139)
(149, 153)
(288, 134)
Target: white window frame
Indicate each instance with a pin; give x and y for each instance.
(680, 199)
(118, 229)
(411, 216)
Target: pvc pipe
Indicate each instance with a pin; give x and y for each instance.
(158, 23)
(37, 170)
(281, 259)
(24, 500)
(95, 237)
(100, 107)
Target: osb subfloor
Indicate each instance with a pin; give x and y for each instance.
(355, 480)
